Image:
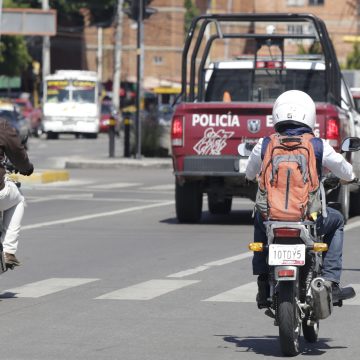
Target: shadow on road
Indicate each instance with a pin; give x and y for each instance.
(269, 345)
(236, 217)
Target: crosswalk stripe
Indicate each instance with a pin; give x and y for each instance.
(165, 187)
(46, 287)
(243, 293)
(147, 290)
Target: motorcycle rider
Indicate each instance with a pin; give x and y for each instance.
(294, 113)
(12, 202)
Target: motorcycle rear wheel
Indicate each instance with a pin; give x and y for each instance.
(288, 318)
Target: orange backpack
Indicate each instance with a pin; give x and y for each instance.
(289, 181)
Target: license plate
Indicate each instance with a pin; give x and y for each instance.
(243, 164)
(286, 254)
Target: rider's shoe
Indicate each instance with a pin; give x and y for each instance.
(263, 291)
(11, 260)
(339, 293)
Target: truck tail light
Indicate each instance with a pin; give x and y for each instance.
(177, 131)
(333, 132)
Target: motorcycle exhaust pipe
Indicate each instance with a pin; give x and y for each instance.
(322, 298)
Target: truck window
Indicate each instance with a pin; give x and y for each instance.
(265, 85)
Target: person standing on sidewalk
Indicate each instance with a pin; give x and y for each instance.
(12, 202)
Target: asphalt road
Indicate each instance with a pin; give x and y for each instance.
(108, 273)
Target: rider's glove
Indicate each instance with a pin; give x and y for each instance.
(29, 171)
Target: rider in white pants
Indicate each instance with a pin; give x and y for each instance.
(12, 202)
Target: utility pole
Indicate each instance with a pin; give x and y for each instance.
(45, 50)
(117, 56)
(100, 53)
(139, 75)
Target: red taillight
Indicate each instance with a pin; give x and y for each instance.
(286, 232)
(286, 273)
(269, 65)
(177, 131)
(333, 132)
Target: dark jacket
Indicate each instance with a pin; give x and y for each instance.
(11, 147)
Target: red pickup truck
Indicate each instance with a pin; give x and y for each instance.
(233, 68)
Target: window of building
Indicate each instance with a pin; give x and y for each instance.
(295, 29)
(316, 2)
(295, 2)
(158, 60)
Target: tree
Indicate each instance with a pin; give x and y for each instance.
(353, 59)
(14, 57)
(191, 11)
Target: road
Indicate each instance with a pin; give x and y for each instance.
(108, 273)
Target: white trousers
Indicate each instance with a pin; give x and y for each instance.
(12, 204)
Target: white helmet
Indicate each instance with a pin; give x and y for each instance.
(294, 106)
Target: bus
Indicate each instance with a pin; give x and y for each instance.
(71, 104)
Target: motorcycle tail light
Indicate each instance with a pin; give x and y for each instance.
(286, 232)
(286, 273)
(177, 131)
(319, 247)
(256, 246)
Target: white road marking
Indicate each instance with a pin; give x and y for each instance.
(352, 225)
(117, 185)
(165, 187)
(96, 215)
(147, 290)
(85, 196)
(46, 287)
(243, 293)
(206, 266)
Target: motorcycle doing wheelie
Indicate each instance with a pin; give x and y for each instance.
(299, 297)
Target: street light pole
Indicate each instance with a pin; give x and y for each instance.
(139, 75)
(45, 50)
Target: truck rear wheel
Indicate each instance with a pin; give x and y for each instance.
(52, 136)
(219, 207)
(188, 199)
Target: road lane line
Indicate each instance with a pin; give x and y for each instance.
(117, 185)
(208, 265)
(353, 225)
(45, 287)
(243, 293)
(147, 290)
(94, 216)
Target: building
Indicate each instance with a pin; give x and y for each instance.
(164, 34)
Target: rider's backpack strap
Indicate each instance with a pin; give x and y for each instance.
(318, 146)
(264, 145)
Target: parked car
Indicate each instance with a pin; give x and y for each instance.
(9, 112)
(107, 113)
(31, 114)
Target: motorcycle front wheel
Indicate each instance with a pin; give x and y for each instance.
(288, 318)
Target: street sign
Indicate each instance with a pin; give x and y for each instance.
(28, 22)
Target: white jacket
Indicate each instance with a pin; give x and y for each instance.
(332, 161)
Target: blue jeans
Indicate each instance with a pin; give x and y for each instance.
(332, 227)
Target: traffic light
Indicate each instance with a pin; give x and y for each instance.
(132, 7)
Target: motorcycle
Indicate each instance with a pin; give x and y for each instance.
(299, 296)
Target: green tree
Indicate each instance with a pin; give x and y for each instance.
(14, 57)
(191, 11)
(353, 59)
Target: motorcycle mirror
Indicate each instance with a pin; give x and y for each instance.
(350, 144)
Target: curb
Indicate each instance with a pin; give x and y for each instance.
(43, 177)
(118, 163)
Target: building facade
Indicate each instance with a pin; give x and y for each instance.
(164, 34)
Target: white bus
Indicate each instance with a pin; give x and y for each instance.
(71, 104)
